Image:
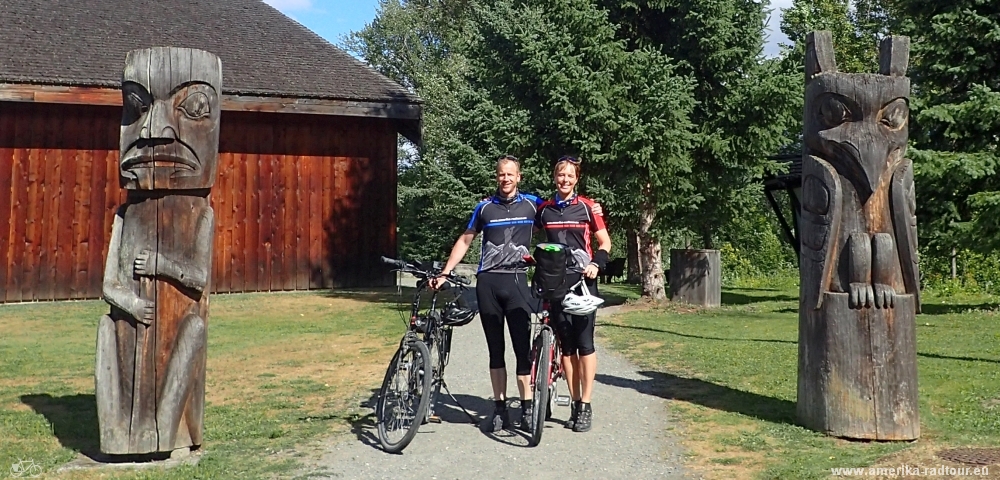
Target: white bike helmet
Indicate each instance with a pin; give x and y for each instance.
(582, 304)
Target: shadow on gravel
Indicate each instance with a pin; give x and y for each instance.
(448, 411)
(481, 408)
(364, 427)
(709, 394)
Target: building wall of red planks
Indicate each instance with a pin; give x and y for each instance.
(301, 201)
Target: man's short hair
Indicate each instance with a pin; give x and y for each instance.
(508, 158)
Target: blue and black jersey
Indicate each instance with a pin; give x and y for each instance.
(506, 226)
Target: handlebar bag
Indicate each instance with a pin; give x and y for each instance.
(551, 262)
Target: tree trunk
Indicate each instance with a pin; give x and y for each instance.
(706, 238)
(634, 267)
(649, 255)
(954, 263)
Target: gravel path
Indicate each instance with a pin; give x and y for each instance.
(629, 438)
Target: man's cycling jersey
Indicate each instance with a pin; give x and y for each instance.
(571, 222)
(506, 226)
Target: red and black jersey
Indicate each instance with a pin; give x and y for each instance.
(571, 222)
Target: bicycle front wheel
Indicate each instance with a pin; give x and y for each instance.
(404, 396)
(542, 369)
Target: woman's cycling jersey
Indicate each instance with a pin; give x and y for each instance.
(571, 222)
(506, 227)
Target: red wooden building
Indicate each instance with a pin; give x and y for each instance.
(306, 193)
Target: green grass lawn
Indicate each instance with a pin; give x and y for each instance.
(283, 370)
(730, 376)
(286, 370)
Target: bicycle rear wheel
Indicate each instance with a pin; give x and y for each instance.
(403, 399)
(542, 368)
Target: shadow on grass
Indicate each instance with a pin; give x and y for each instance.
(765, 340)
(392, 296)
(949, 309)
(611, 299)
(757, 289)
(964, 359)
(711, 395)
(73, 419)
(733, 298)
(688, 335)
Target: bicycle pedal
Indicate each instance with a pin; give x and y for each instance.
(563, 400)
(433, 419)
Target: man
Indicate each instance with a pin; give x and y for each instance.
(506, 221)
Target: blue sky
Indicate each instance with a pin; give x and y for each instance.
(333, 18)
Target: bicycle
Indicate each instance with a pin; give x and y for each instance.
(546, 364)
(408, 396)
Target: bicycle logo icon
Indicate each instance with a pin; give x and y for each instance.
(25, 469)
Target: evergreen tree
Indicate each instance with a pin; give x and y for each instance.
(580, 90)
(415, 42)
(955, 127)
(747, 107)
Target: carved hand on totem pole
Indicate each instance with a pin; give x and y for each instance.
(150, 373)
(859, 279)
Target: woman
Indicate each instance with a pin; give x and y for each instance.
(569, 219)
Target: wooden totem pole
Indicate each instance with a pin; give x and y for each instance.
(859, 280)
(150, 370)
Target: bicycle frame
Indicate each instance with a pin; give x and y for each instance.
(427, 338)
(555, 369)
(433, 334)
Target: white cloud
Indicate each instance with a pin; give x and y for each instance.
(287, 5)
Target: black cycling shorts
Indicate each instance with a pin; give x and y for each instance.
(506, 295)
(576, 332)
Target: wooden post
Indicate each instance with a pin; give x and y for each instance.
(695, 277)
(151, 347)
(859, 279)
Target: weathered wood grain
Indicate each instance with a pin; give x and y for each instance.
(72, 217)
(159, 264)
(19, 208)
(302, 174)
(330, 239)
(83, 159)
(235, 103)
(859, 279)
(34, 216)
(65, 241)
(695, 277)
(6, 193)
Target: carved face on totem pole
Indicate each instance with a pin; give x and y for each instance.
(858, 203)
(857, 122)
(170, 119)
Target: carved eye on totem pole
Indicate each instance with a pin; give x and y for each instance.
(858, 123)
(170, 123)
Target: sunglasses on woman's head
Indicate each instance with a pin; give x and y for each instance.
(567, 158)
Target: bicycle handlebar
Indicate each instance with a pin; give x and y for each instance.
(425, 273)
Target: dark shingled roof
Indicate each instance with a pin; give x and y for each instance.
(263, 52)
